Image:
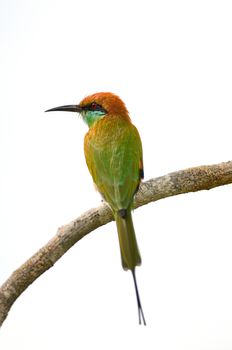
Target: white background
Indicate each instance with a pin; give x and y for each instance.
(171, 62)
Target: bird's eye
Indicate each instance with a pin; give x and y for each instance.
(94, 106)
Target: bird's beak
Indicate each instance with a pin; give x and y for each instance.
(68, 108)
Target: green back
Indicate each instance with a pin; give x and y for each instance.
(113, 154)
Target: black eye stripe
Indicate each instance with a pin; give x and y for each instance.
(94, 107)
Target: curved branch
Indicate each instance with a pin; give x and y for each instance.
(179, 182)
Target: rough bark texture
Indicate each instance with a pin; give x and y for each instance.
(179, 182)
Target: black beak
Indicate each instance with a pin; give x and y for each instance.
(68, 108)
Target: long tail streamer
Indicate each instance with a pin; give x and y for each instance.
(140, 309)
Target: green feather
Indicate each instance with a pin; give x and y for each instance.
(130, 255)
(113, 153)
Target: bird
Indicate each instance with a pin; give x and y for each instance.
(114, 157)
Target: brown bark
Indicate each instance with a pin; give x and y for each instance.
(179, 182)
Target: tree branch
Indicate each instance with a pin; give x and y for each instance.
(179, 182)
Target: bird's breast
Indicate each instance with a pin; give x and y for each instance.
(106, 131)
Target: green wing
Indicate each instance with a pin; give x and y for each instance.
(113, 152)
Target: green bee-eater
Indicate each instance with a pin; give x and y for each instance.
(113, 153)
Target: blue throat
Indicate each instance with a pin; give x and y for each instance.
(91, 117)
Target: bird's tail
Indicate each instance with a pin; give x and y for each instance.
(129, 250)
(126, 234)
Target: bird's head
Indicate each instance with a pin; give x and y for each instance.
(94, 107)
